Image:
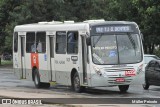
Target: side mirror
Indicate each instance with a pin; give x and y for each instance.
(88, 41)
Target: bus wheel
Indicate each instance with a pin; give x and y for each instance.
(76, 83)
(37, 82)
(146, 85)
(123, 88)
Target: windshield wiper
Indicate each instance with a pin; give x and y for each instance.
(132, 42)
(94, 44)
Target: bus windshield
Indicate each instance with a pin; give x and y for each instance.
(116, 49)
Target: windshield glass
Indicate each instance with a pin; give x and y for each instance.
(116, 49)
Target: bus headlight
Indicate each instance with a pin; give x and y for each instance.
(97, 70)
(139, 70)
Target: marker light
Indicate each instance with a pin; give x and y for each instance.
(97, 70)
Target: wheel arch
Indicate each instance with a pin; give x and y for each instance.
(73, 71)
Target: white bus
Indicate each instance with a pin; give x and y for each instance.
(93, 53)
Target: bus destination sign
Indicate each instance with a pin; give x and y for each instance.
(108, 29)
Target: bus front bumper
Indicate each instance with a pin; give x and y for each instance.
(110, 80)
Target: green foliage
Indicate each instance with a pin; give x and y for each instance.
(157, 52)
(143, 12)
(6, 62)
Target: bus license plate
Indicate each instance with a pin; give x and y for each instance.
(120, 80)
(130, 73)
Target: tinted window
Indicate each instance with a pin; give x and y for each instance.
(30, 42)
(41, 42)
(61, 42)
(15, 41)
(72, 42)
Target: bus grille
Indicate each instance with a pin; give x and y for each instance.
(112, 76)
(118, 70)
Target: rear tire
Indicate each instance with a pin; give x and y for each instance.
(76, 84)
(123, 88)
(37, 82)
(145, 85)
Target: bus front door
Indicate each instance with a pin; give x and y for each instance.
(84, 59)
(52, 67)
(23, 57)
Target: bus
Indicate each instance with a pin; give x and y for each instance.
(88, 54)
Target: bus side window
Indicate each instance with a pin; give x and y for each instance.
(41, 42)
(60, 42)
(30, 42)
(15, 41)
(72, 42)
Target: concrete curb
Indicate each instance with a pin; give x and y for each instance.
(6, 69)
(22, 94)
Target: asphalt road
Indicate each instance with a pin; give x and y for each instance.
(8, 82)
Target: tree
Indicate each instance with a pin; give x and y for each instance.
(149, 11)
(143, 12)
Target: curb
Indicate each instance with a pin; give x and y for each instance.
(3, 69)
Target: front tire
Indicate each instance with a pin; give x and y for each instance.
(76, 83)
(123, 88)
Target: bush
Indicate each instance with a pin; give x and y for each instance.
(157, 52)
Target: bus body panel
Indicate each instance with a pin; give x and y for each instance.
(17, 59)
(43, 71)
(28, 66)
(65, 64)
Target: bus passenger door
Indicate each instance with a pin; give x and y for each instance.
(23, 57)
(84, 59)
(52, 67)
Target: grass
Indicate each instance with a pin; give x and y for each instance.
(6, 63)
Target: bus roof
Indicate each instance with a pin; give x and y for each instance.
(113, 22)
(50, 26)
